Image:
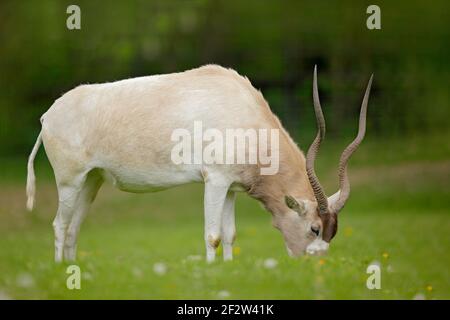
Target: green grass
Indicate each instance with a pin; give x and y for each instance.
(398, 216)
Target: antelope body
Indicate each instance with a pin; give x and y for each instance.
(121, 132)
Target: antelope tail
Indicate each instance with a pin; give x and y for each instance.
(31, 178)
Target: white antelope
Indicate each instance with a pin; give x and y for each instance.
(121, 132)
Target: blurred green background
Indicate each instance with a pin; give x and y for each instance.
(398, 215)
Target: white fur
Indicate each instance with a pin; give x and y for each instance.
(228, 226)
(121, 132)
(317, 247)
(31, 179)
(333, 199)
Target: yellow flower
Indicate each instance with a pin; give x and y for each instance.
(385, 255)
(321, 262)
(236, 250)
(429, 288)
(348, 232)
(83, 253)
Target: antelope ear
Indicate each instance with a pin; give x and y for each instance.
(294, 205)
(332, 201)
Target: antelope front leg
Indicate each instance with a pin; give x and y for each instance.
(215, 194)
(228, 226)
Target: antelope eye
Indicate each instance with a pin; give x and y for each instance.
(315, 230)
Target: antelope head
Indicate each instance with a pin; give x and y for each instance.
(319, 219)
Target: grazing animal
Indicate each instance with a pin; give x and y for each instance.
(121, 132)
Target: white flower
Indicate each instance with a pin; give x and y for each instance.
(4, 296)
(86, 276)
(160, 268)
(25, 280)
(270, 263)
(194, 258)
(419, 296)
(137, 272)
(223, 294)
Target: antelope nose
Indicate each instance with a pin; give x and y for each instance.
(315, 229)
(314, 252)
(317, 247)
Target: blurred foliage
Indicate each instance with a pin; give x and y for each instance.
(274, 43)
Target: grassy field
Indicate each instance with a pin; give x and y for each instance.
(151, 246)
